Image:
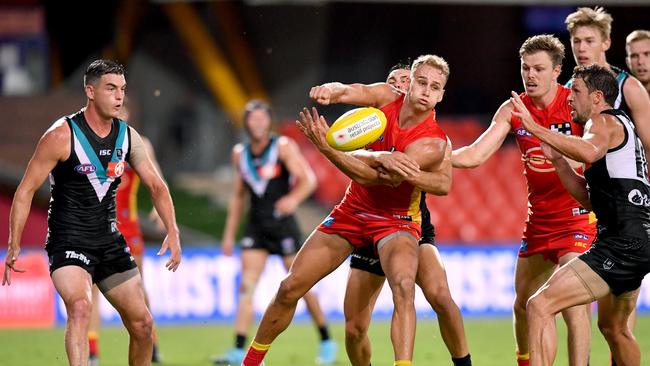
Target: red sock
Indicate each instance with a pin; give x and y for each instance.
(255, 354)
(93, 344)
(523, 359)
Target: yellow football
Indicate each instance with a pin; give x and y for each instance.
(356, 129)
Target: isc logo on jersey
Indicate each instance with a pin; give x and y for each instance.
(536, 161)
(356, 129)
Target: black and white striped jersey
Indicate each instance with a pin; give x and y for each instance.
(618, 186)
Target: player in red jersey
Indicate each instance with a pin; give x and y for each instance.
(381, 205)
(126, 201)
(366, 278)
(558, 229)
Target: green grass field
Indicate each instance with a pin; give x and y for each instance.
(490, 341)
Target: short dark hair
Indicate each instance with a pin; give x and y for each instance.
(401, 66)
(598, 78)
(98, 68)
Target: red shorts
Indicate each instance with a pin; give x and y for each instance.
(361, 229)
(131, 231)
(553, 243)
(135, 244)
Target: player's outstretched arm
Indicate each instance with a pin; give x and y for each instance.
(373, 95)
(638, 100)
(487, 144)
(589, 148)
(315, 128)
(573, 182)
(53, 147)
(305, 179)
(160, 196)
(153, 214)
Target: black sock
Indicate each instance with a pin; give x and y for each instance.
(240, 340)
(324, 333)
(463, 361)
(613, 362)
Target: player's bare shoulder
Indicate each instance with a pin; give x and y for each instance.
(237, 150)
(57, 139)
(287, 147)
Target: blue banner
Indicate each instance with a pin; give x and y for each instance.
(205, 287)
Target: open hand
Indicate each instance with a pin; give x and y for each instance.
(314, 127)
(10, 265)
(522, 113)
(173, 243)
(399, 163)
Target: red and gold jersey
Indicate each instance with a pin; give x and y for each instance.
(127, 204)
(549, 203)
(403, 201)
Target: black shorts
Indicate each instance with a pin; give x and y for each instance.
(621, 262)
(100, 262)
(367, 258)
(279, 237)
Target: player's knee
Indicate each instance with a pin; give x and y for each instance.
(612, 330)
(355, 330)
(536, 307)
(290, 290)
(79, 310)
(520, 304)
(142, 326)
(438, 297)
(247, 289)
(403, 289)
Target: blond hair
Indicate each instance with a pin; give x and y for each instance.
(637, 35)
(544, 42)
(596, 17)
(433, 61)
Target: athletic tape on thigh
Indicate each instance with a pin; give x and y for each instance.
(113, 281)
(394, 235)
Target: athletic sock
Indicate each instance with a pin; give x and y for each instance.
(403, 363)
(93, 344)
(255, 354)
(240, 340)
(611, 357)
(462, 361)
(523, 359)
(324, 333)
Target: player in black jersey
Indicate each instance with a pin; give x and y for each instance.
(367, 278)
(266, 167)
(84, 155)
(616, 188)
(590, 39)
